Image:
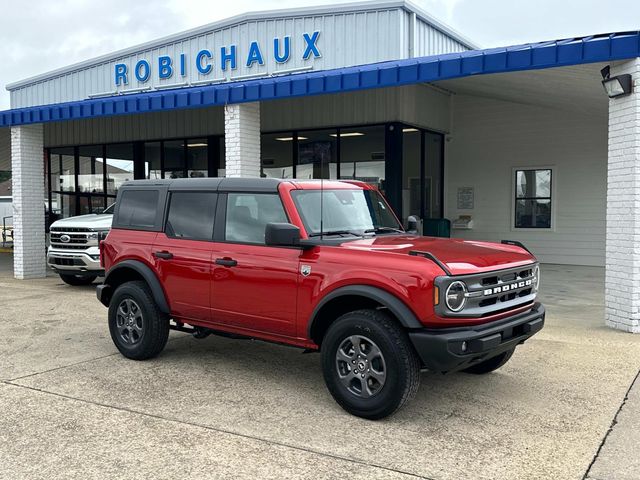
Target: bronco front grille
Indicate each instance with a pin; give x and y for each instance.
(491, 293)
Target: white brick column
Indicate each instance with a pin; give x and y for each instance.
(622, 281)
(27, 186)
(242, 139)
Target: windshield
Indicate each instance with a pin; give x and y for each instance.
(109, 209)
(345, 211)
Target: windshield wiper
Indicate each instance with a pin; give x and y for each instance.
(384, 229)
(335, 232)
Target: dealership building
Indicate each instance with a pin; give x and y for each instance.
(520, 142)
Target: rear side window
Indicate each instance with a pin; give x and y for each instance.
(191, 215)
(248, 215)
(138, 208)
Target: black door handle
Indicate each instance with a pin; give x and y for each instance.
(227, 262)
(164, 255)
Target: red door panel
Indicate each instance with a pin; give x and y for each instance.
(254, 287)
(185, 275)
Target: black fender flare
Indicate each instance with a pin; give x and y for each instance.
(396, 306)
(149, 277)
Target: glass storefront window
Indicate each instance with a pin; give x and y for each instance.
(119, 166)
(277, 155)
(412, 196)
(63, 169)
(433, 148)
(90, 169)
(222, 170)
(153, 160)
(174, 161)
(197, 158)
(317, 154)
(362, 154)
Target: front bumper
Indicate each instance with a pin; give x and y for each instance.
(83, 262)
(442, 350)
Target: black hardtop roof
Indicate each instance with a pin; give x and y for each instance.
(208, 183)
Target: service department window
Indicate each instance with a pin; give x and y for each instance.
(533, 198)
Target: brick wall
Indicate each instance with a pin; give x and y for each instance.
(242, 140)
(28, 201)
(622, 283)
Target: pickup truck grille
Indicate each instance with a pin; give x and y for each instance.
(73, 238)
(494, 292)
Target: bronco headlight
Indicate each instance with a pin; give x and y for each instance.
(536, 277)
(455, 296)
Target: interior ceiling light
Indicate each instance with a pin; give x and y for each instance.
(347, 134)
(289, 139)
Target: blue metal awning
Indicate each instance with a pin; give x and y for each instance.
(576, 51)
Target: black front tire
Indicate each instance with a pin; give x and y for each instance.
(399, 362)
(146, 335)
(492, 364)
(77, 280)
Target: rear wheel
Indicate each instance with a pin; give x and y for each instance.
(492, 364)
(138, 328)
(77, 280)
(369, 364)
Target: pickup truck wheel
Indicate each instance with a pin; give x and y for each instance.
(369, 364)
(77, 280)
(138, 328)
(492, 364)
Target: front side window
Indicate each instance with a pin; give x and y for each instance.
(248, 215)
(191, 215)
(533, 198)
(348, 211)
(138, 208)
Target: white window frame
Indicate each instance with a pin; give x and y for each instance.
(554, 197)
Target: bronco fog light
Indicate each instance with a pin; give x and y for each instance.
(455, 297)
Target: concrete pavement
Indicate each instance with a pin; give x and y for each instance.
(219, 408)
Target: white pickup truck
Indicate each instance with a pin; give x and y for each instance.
(73, 251)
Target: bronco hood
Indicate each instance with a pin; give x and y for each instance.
(461, 257)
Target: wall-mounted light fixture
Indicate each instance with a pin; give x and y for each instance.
(617, 86)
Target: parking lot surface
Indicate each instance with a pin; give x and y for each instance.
(221, 408)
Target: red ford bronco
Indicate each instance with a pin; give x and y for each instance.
(323, 267)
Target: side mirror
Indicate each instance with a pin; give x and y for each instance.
(281, 235)
(412, 223)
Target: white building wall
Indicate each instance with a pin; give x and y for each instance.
(491, 137)
(28, 202)
(242, 140)
(622, 282)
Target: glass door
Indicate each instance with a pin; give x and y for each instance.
(422, 166)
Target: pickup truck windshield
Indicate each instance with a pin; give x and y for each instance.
(345, 212)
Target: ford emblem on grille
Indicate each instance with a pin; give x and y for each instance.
(65, 238)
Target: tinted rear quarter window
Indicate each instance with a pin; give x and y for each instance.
(138, 209)
(191, 215)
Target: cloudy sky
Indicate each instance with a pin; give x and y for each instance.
(40, 35)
